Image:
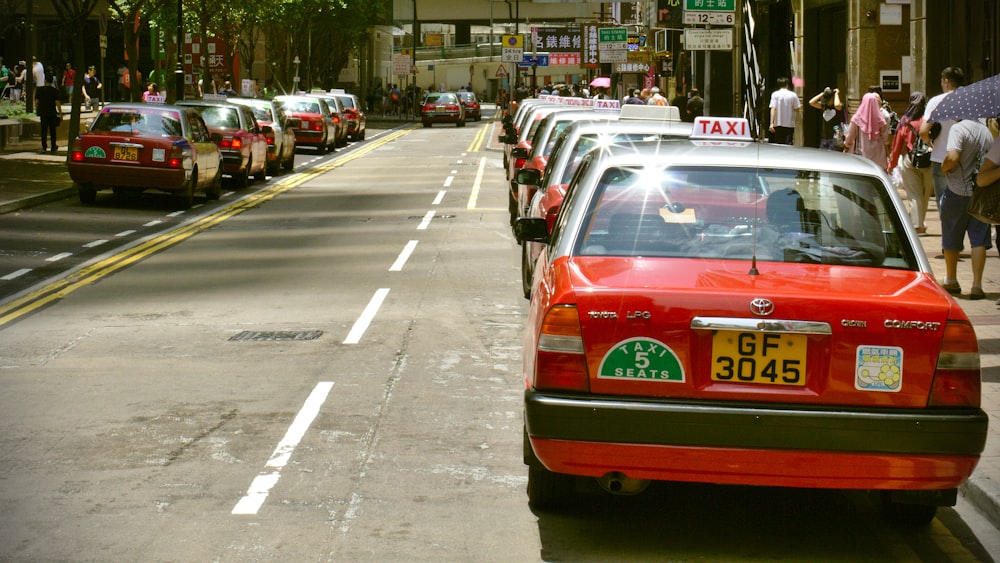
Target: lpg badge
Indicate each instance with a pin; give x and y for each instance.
(641, 359)
(879, 368)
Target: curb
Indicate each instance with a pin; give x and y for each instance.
(984, 494)
(30, 201)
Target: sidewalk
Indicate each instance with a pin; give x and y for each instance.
(28, 177)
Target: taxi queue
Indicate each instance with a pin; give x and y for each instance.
(188, 147)
(708, 308)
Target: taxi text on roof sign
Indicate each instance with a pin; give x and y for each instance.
(721, 128)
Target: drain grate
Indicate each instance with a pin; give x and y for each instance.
(276, 336)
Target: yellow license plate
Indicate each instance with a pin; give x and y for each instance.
(126, 153)
(759, 357)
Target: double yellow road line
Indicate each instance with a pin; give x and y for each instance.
(10, 312)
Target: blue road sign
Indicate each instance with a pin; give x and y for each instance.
(540, 60)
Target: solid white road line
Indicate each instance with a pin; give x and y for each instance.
(474, 197)
(361, 325)
(403, 256)
(265, 481)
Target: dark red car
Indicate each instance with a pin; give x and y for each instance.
(316, 127)
(473, 110)
(239, 137)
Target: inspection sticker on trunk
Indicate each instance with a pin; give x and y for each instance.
(641, 359)
(879, 368)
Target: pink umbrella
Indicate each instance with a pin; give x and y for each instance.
(601, 82)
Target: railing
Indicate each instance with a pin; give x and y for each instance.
(455, 51)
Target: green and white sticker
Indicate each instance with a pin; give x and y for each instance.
(95, 152)
(641, 359)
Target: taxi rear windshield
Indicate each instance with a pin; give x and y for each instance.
(774, 215)
(214, 116)
(154, 123)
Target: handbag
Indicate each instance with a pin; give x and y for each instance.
(920, 156)
(985, 203)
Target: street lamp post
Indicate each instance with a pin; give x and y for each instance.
(179, 71)
(296, 79)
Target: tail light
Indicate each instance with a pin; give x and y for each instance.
(335, 119)
(519, 163)
(176, 159)
(957, 379)
(270, 138)
(231, 143)
(317, 125)
(560, 363)
(76, 151)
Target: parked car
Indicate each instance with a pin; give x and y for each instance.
(281, 138)
(442, 107)
(136, 147)
(717, 310)
(240, 139)
(336, 115)
(355, 115)
(316, 127)
(472, 109)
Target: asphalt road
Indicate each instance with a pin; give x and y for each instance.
(328, 369)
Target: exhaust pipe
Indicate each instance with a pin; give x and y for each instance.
(618, 483)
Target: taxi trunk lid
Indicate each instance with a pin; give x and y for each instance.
(802, 333)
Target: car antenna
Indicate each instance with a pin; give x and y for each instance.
(756, 223)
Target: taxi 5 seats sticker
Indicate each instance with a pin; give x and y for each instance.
(879, 368)
(642, 359)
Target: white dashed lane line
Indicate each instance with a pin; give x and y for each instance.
(361, 325)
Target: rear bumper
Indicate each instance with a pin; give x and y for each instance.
(754, 443)
(444, 118)
(311, 138)
(129, 176)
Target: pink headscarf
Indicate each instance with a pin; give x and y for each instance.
(869, 116)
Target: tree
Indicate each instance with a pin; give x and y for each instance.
(74, 13)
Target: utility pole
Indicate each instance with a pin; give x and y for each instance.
(179, 70)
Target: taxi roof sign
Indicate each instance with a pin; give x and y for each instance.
(650, 113)
(721, 129)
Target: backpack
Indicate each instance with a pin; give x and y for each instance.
(920, 156)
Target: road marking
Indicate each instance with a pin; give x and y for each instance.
(448, 181)
(92, 244)
(361, 325)
(152, 223)
(477, 140)
(59, 257)
(426, 221)
(16, 274)
(474, 196)
(403, 256)
(126, 233)
(175, 214)
(266, 480)
(440, 196)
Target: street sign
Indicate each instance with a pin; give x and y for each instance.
(540, 60)
(502, 71)
(512, 48)
(710, 18)
(710, 5)
(612, 44)
(708, 39)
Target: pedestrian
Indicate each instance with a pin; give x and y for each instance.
(227, 89)
(868, 131)
(833, 118)
(124, 83)
(695, 106)
(20, 75)
(784, 107)
(49, 112)
(968, 141)
(38, 73)
(918, 181)
(680, 102)
(635, 98)
(92, 88)
(69, 77)
(935, 134)
(655, 98)
(5, 77)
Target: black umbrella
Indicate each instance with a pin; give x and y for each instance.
(979, 99)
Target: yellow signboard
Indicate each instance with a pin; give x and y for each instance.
(513, 41)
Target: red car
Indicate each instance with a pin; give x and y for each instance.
(336, 115)
(473, 110)
(240, 139)
(280, 138)
(316, 126)
(738, 313)
(357, 123)
(442, 107)
(138, 147)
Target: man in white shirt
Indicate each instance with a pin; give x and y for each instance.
(951, 78)
(784, 106)
(38, 72)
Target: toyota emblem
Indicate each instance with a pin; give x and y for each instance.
(761, 307)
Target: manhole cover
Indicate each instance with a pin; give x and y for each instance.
(276, 336)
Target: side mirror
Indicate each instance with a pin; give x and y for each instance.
(519, 152)
(531, 229)
(528, 176)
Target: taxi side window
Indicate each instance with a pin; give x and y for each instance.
(199, 133)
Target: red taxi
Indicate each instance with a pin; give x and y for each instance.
(239, 137)
(336, 115)
(280, 138)
(442, 107)
(473, 110)
(136, 147)
(357, 122)
(748, 314)
(316, 127)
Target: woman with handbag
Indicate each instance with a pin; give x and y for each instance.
(868, 132)
(912, 157)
